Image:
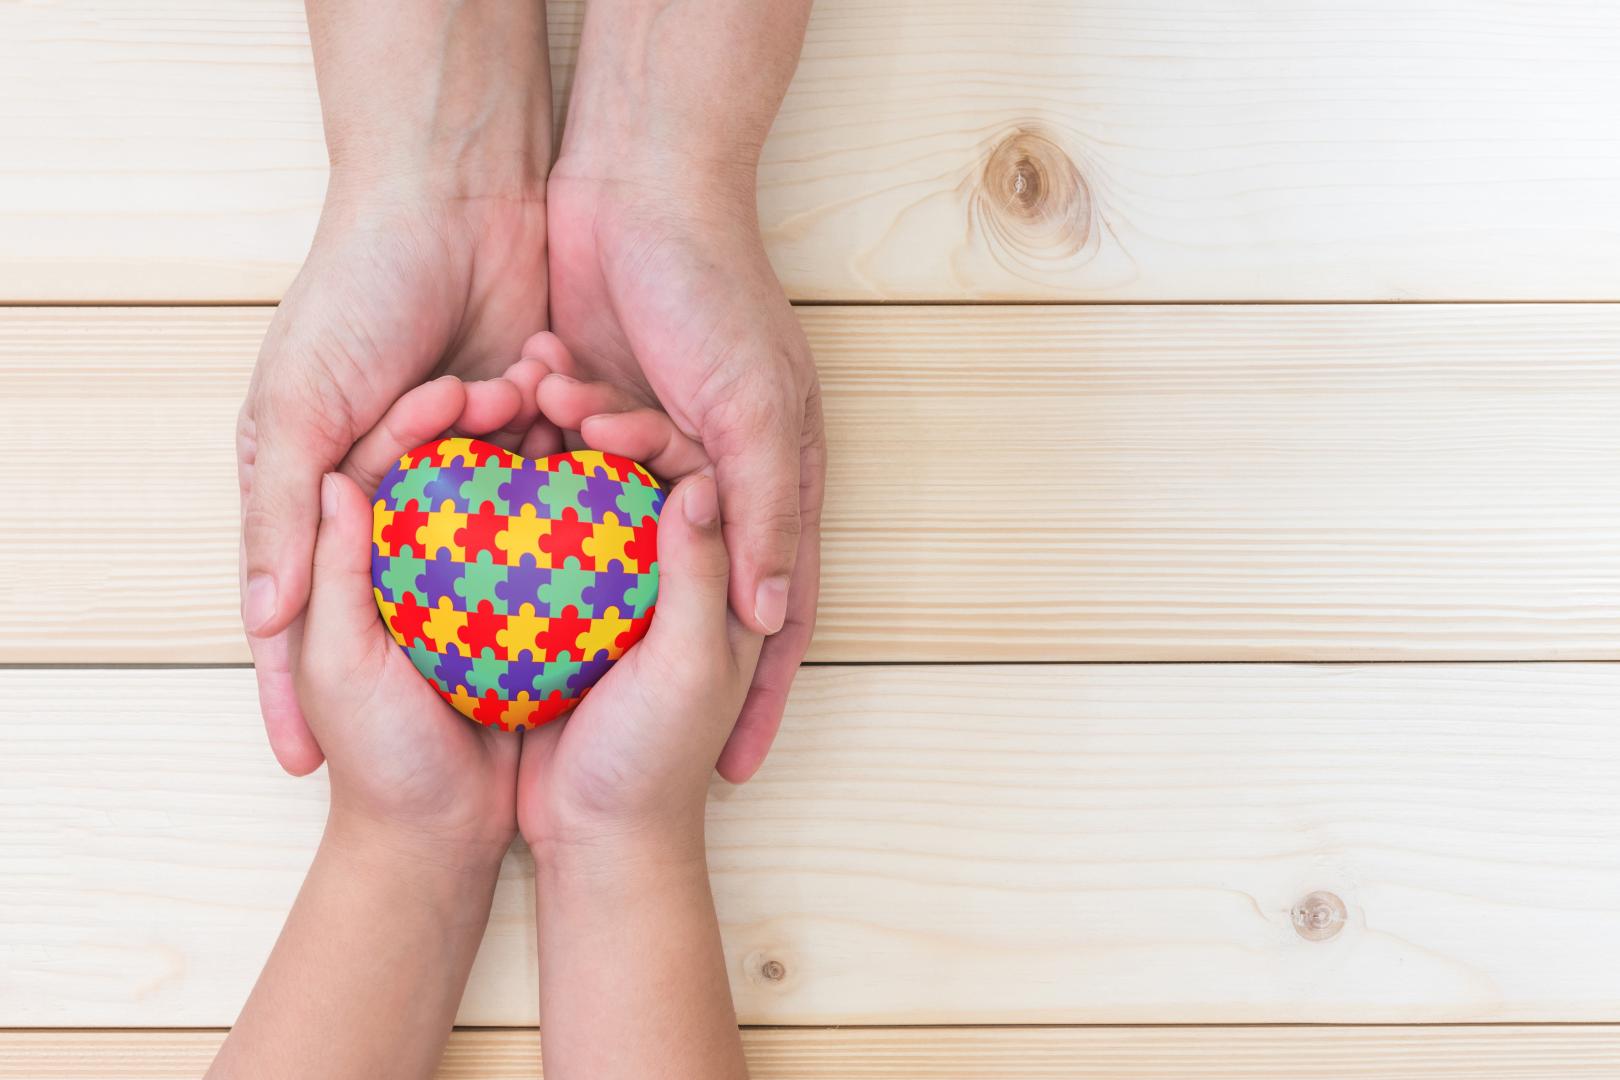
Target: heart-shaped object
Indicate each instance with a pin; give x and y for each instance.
(514, 584)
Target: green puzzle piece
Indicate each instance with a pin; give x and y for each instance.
(400, 576)
(477, 584)
(412, 484)
(637, 503)
(485, 487)
(425, 661)
(567, 588)
(486, 675)
(561, 492)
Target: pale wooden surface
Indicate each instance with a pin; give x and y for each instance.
(934, 845)
(1173, 149)
(970, 844)
(1495, 1052)
(1118, 483)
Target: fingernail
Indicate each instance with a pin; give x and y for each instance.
(328, 497)
(259, 602)
(701, 506)
(560, 377)
(770, 603)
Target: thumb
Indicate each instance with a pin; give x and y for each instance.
(692, 571)
(757, 469)
(281, 476)
(342, 618)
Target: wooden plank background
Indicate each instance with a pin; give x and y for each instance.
(1036, 483)
(1203, 468)
(974, 150)
(963, 844)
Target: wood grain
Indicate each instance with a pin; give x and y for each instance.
(967, 844)
(1119, 483)
(1173, 149)
(1496, 1052)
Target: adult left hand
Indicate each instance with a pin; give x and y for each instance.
(660, 285)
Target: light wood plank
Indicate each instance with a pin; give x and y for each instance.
(1495, 1052)
(1119, 483)
(971, 844)
(1174, 149)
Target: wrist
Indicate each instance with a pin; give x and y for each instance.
(642, 178)
(601, 848)
(451, 98)
(438, 863)
(414, 176)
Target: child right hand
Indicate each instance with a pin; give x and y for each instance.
(634, 758)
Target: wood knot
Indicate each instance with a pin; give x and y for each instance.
(1319, 916)
(766, 968)
(1032, 201)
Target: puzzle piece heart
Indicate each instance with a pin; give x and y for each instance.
(514, 584)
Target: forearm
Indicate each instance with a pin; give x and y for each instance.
(456, 93)
(694, 81)
(632, 974)
(370, 966)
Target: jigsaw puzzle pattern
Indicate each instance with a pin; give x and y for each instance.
(514, 584)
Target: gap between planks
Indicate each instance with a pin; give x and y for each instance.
(1518, 1052)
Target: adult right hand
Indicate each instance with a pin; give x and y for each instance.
(404, 283)
(430, 259)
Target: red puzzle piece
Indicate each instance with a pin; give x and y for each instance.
(561, 636)
(481, 533)
(403, 535)
(566, 540)
(482, 632)
(410, 619)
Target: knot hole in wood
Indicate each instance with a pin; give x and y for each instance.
(1032, 200)
(765, 968)
(1319, 916)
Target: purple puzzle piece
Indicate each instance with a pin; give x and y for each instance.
(589, 671)
(523, 675)
(601, 495)
(439, 580)
(607, 589)
(522, 488)
(378, 565)
(447, 486)
(454, 670)
(523, 584)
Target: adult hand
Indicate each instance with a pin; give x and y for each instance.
(429, 259)
(403, 282)
(660, 285)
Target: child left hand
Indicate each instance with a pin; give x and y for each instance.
(404, 766)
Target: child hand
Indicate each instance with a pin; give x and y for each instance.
(634, 758)
(404, 766)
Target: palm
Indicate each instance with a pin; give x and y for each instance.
(672, 298)
(386, 301)
(634, 280)
(588, 761)
(416, 760)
